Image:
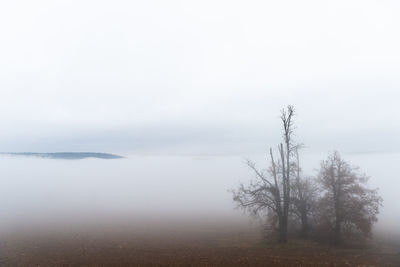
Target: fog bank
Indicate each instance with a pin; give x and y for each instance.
(151, 190)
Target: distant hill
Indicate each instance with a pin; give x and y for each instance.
(64, 155)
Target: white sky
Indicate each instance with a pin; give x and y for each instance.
(198, 76)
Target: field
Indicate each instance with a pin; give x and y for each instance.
(178, 246)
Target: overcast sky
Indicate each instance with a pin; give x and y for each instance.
(198, 76)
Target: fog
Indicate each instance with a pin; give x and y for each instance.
(37, 193)
(186, 91)
(194, 77)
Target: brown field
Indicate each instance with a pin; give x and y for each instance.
(178, 246)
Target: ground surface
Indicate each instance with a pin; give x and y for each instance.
(179, 248)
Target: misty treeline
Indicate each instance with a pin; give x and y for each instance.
(335, 205)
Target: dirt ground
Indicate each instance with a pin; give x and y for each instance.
(179, 248)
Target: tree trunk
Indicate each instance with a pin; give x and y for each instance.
(283, 230)
(304, 225)
(338, 232)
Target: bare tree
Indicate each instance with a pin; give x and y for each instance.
(270, 191)
(347, 204)
(304, 197)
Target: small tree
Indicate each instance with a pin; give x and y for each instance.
(346, 204)
(270, 191)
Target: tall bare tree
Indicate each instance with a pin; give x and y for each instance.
(270, 191)
(347, 204)
(304, 197)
